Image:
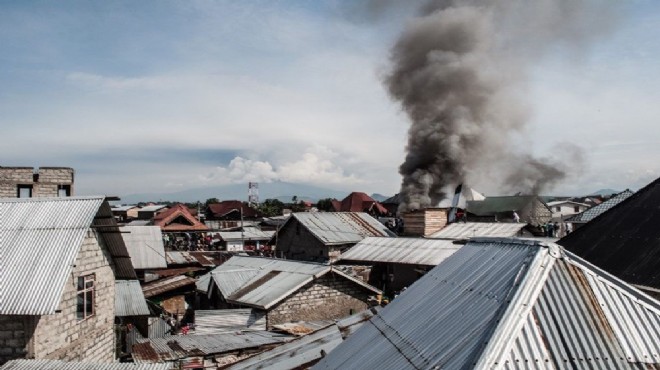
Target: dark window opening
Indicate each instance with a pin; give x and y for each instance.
(63, 191)
(577, 208)
(24, 191)
(85, 297)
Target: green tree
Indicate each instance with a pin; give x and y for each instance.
(325, 204)
(211, 201)
(271, 207)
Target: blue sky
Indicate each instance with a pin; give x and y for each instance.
(162, 96)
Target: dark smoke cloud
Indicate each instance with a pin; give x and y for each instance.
(459, 72)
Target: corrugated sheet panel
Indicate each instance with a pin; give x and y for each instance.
(416, 251)
(62, 365)
(249, 233)
(145, 246)
(262, 263)
(182, 346)
(165, 285)
(203, 283)
(295, 354)
(111, 237)
(341, 227)
(597, 210)
(465, 230)
(159, 328)
(268, 288)
(225, 321)
(39, 241)
(129, 299)
(351, 324)
(229, 281)
(462, 298)
(152, 208)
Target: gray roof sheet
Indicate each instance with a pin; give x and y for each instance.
(129, 299)
(249, 233)
(167, 284)
(509, 304)
(597, 210)
(145, 246)
(416, 251)
(464, 230)
(152, 208)
(63, 365)
(228, 321)
(178, 347)
(341, 227)
(39, 241)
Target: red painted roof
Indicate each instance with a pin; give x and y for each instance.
(223, 208)
(361, 202)
(171, 220)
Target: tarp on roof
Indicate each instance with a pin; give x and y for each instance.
(145, 246)
(509, 304)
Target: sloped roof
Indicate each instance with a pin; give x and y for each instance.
(65, 365)
(332, 228)
(462, 230)
(624, 240)
(249, 233)
(595, 211)
(361, 202)
(509, 304)
(167, 284)
(228, 206)
(415, 251)
(129, 299)
(145, 246)
(228, 321)
(169, 220)
(558, 202)
(152, 208)
(493, 205)
(263, 282)
(39, 241)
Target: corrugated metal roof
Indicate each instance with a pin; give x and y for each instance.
(597, 210)
(228, 321)
(298, 353)
(123, 208)
(416, 251)
(39, 241)
(509, 304)
(178, 347)
(351, 324)
(250, 233)
(341, 227)
(165, 285)
(203, 283)
(129, 299)
(203, 258)
(152, 208)
(269, 287)
(111, 237)
(145, 246)
(231, 280)
(464, 230)
(62, 365)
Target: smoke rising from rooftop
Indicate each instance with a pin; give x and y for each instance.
(459, 71)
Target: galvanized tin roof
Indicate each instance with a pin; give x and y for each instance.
(596, 210)
(416, 251)
(181, 346)
(129, 299)
(63, 365)
(509, 304)
(464, 230)
(203, 282)
(296, 354)
(228, 321)
(152, 208)
(167, 284)
(39, 241)
(145, 246)
(341, 227)
(249, 233)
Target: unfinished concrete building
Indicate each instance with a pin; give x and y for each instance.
(28, 182)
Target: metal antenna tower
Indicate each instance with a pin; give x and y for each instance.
(253, 193)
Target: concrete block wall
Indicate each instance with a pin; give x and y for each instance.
(13, 337)
(330, 297)
(62, 335)
(49, 178)
(12, 176)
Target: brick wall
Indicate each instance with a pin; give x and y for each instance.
(62, 335)
(295, 242)
(49, 178)
(330, 297)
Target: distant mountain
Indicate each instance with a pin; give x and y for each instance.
(282, 191)
(379, 197)
(605, 192)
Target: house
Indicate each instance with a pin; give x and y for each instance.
(148, 212)
(580, 219)
(125, 213)
(509, 304)
(249, 239)
(231, 210)
(624, 240)
(565, 208)
(530, 209)
(60, 259)
(63, 365)
(323, 236)
(28, 182)
(178, 219)
(360, 202)
(288, 290)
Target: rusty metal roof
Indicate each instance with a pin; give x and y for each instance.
(340, 227)
(129, 299)
(145, 246)
(182, 346)
(415, 251)
(509, 304)
(167, 284)
(39, 241)
(63, 365)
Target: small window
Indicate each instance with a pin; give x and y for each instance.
(85, 299)
(24, 191)
(577, 209)
(558, 209)
(63, 191)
